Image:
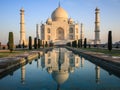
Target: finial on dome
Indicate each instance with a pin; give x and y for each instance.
(59, 4)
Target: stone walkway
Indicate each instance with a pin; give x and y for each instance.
(99, 55)
(12, 61)
(109, 63)
(7, 63)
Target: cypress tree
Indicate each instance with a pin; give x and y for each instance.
(38, 43)
(0, 45)
(110, 40)
(23, 45)
(81, 42)
(8, 44)
(35, 43)
(11, 41)
(46, 44)
(68, 44)
(43, 44)
(85, 43)
(51, 44)
(74, 43)
(30, 43)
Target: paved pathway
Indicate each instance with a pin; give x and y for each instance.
(7, 63)
(109, 63)
(102, 56)
(14, 60)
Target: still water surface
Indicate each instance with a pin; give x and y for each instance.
(60, 69)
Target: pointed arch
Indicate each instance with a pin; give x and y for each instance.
(60, 34)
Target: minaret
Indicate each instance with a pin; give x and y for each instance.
(82, 61)
(97, 69)
(82, 32)
(37, 31)
(97, 26)
(38, 63)
(41, 30)
(22, 28)
(23, 74)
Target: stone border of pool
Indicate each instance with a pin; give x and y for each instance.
(9, 63)
(109, 63)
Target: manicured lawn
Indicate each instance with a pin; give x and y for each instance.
(105, 51)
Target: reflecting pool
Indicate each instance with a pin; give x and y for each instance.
(60, 69)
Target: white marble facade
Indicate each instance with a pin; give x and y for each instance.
(60, 29)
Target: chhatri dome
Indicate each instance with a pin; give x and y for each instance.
(59, 14)
(49, 21)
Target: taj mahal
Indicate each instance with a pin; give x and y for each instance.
(60, 29)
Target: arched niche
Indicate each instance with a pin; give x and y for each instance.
(60, 34)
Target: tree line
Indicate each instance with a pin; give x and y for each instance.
(42, 44)
(37, 43)
(79, 43)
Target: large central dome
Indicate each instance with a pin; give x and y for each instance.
(59, 14)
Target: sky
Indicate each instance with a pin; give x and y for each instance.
(37, 11)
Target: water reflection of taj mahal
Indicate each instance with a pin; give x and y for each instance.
(60, 63)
